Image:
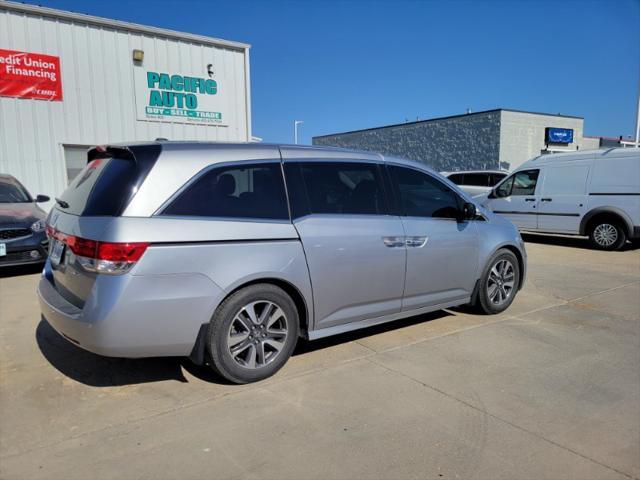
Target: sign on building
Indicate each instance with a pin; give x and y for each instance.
(30, 75)
(179, 97)
(559, 135)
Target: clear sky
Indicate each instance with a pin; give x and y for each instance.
(347, 65)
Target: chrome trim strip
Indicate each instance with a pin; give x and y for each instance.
(14, 239)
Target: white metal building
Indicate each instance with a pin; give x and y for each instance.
(69, 81)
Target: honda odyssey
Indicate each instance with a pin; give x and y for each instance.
(228, 253)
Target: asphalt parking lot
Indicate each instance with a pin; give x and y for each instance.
(549, 389)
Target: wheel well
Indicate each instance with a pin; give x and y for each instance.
(295, 295)
(199, 354)
(518, 255)
(611, 216)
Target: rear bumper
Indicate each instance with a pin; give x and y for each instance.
(133, 316)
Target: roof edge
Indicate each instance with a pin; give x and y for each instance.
(482, 112)
(121, 25)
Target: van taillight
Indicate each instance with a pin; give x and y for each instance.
(101, 257)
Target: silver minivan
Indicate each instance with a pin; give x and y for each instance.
(228, 253)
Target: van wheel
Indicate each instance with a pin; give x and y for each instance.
(499, 283)
(607, 234)
(253, 333)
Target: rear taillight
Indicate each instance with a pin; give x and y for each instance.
(101, 257)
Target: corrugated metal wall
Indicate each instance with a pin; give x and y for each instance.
(98, 103)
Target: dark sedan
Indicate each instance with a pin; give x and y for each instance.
(22, 224)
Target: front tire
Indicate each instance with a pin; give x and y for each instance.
(499, 283)
(607, 234)
(253, 333)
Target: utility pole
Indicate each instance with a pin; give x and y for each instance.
(295, 130)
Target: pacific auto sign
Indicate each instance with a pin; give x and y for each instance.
(191, 97)
(30, 75)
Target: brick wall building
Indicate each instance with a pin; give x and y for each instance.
(490, 139)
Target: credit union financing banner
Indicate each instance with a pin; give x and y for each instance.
(30, 75)
(178, 97)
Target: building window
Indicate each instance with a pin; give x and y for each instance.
(75, 157)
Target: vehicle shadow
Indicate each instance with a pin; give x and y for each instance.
(305, 346)
(570, 241)
(203, 372)
(20, 270)
(97, 371)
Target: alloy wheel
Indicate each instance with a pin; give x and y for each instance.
(501, 282)
(257, 334)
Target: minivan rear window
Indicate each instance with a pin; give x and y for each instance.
(106, 185)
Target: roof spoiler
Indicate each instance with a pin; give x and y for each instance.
(106, 151)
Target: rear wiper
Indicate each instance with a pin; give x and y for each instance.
(62, 203)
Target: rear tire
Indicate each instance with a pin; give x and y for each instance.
(607, 234)
(253, 333)
(499, 283)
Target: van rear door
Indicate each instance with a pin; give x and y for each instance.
(563, 199)
(98, 194)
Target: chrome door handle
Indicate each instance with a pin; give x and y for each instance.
(393, 242)
(416, 242)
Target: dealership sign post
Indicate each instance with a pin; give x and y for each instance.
(30, 75)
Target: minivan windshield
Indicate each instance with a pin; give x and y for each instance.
(13, 192)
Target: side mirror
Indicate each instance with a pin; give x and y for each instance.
(42, 199)
(469, 211)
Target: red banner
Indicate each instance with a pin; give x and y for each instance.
(30, 75)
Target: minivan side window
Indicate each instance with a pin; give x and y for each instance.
(238, 191)
(520, 183)
(476, 179)
(352, 188)
(457, 178)
(422, 195)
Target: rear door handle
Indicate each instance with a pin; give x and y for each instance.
(529, 199)
(416, 242)
(393, 242)
(547, 199)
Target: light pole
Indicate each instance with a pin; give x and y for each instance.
(295, 130)
(638, 120)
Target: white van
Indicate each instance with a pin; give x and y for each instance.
(594, 193)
